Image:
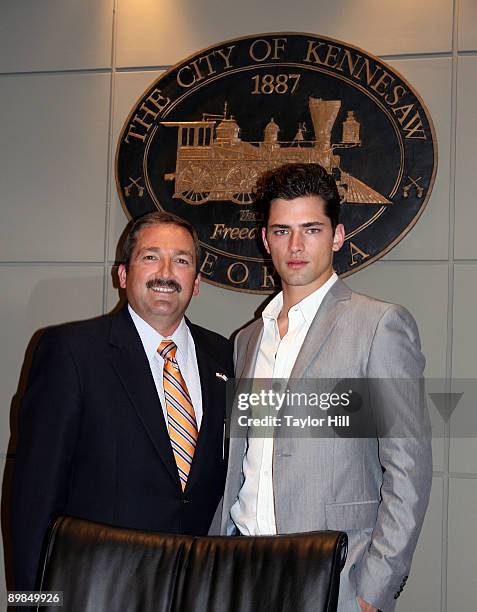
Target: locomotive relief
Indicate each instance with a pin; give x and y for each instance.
(213, 163)
(201, 134)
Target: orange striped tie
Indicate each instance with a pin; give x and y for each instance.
(181, 421)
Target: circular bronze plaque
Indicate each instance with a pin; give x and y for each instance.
(199, 137)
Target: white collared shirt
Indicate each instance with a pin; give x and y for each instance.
(186, 358)
(254, 510)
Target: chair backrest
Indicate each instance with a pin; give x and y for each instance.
(108, 569)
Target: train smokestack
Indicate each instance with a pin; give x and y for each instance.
(323, 114)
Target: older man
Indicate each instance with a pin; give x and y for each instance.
(123, 418)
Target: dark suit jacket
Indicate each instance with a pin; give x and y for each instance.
(93, 442)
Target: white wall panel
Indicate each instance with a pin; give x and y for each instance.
(467, 25)
(53, 163)
(39, 296)
(462, 541)
(464, 347)
(463, 431)
(439, 442)
(463, 445)
(55, 34)
(429, 238)
(423, 590)
(152, 33)
(466, 175)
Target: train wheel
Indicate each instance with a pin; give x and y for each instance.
(192, 181)
(195, 197)
(241, 181)
(242, 198)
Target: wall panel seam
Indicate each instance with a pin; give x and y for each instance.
(110, 169)
(80, 71)
(51, 264)
(450, 300)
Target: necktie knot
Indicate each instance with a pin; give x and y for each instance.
(167, 350)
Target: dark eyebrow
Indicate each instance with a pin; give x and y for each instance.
(158, 250)
(307, 224)
(311, 224)
(147, 250)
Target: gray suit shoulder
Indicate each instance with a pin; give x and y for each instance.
(364, 307)
(370, 306)
(384, 318)
(249, 330)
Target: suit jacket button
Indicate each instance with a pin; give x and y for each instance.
(184, 500)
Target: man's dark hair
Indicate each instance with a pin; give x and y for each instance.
(156, 218)
(292, 181)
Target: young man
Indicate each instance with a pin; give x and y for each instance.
(123, 418)
(376, 490)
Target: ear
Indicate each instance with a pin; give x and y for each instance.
(122, 275)
(195, 290)
(264, 238)
(339, 237)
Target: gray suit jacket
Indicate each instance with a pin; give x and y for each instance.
(375, 489)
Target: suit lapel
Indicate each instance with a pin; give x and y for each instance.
(213, 398)
(325, 320)
(246, 368)
(328, 314)
(132, 367)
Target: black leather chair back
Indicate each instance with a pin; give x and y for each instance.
(107, 569)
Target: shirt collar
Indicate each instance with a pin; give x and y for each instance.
(308, 306)
(151, 339)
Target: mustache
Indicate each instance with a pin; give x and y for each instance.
(169, 283)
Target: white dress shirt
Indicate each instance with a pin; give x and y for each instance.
(254, 511)
(185, 355)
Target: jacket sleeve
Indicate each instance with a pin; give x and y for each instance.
(395, 377)
(48, 428)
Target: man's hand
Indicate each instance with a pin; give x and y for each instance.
(365, 606)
